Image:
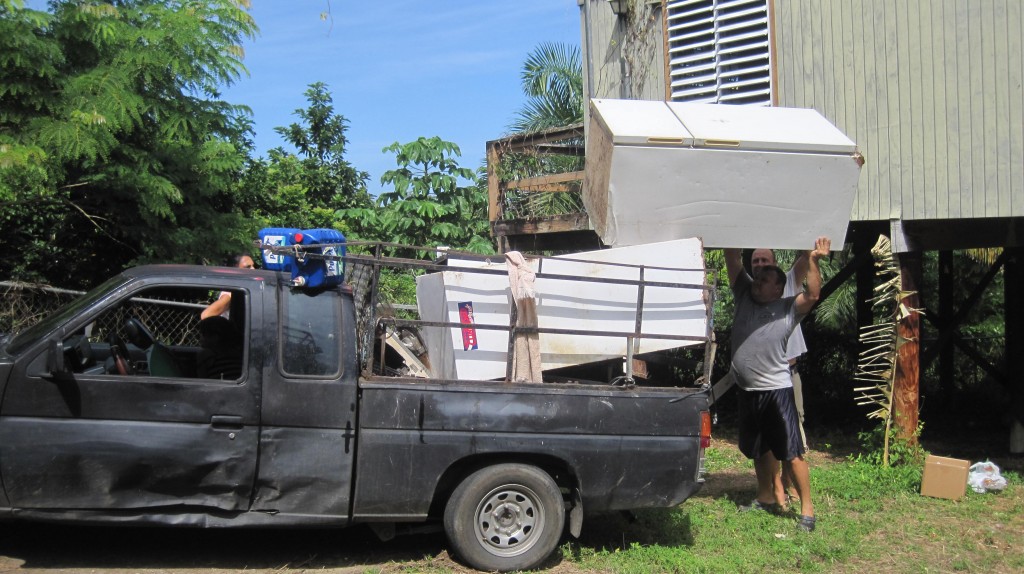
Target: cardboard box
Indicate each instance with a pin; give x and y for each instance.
(735, 176)
(944, 477)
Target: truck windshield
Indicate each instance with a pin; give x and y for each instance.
(26, 338)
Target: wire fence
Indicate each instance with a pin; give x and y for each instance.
(172, 321)
(25, 304)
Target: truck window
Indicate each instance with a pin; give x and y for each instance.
(311, 333)
(157, 332)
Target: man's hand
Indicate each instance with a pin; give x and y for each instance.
(822, 248)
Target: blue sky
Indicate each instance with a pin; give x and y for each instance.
(398, 69)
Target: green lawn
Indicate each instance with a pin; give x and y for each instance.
(870, 520)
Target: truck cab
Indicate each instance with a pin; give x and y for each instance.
(86, 439)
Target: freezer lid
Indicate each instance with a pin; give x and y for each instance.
(761, 128)
(640, 122)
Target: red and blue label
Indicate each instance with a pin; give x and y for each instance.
(469, 342)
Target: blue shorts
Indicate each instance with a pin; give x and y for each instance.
(769, 422)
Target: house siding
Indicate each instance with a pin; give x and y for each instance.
(931, 91)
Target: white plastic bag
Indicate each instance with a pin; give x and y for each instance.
(985, 477)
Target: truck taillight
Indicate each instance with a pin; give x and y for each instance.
(705, 429)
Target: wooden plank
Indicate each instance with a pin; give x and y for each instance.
(827, 64)
(493, 187)
(902, 72)
(556, 224)
(958, 75)
(867, 187)
(817, 78)
(525, 141)
(803, 56)
(547, 188)
(852, 124)
(875, 50)
(1001, 28)
(979, 50)
(839, 68)
(796, 57)
(537, 183)
(889, 100)
(782, 56)
(924, 59)
(1015, 118)
(943, 182)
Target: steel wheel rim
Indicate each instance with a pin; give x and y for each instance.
(509, 521)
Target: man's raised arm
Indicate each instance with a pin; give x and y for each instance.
(733, 264)
(806, 300)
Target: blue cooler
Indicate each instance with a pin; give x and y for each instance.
(311, 272)
(284, 236)
(321, 272)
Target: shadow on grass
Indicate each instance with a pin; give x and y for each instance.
(619, 531)
(61, 547)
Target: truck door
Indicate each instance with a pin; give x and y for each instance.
(307, 443)
(143, 434)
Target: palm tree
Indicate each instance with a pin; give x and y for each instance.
(552, 80)
(553, 83)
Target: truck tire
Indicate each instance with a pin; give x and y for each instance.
(505, 517)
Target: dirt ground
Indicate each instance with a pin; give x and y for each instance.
(58, 549)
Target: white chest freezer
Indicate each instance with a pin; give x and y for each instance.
(471, 299)
(735, 176)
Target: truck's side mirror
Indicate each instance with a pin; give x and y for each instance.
(56, 368)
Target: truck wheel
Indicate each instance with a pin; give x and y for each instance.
(505, 517)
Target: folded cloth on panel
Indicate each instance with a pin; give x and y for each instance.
(526, 359)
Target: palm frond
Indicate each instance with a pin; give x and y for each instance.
(876, 363)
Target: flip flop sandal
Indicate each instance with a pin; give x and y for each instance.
(806, 523)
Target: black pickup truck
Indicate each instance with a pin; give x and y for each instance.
(104, 421)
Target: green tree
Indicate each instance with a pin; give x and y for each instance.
(428, 206)
(115, 147)
(329, 180)
(552, 79)
(304, 189)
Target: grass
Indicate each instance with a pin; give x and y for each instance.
(870, 519)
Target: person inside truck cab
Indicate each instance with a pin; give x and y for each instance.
(220, 353)
(222, 306)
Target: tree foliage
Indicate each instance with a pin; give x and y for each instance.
(115, 147)
(329, 180)
(304, 189)
(552, 80)
(428, 206)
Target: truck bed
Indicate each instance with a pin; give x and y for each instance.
(415, 435)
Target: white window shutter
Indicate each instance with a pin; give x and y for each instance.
(718, 51)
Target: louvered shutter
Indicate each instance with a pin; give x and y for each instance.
(719, 52)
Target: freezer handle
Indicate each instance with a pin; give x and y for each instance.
(721, 143)
(678, 141)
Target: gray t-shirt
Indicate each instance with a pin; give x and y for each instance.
(759, 337)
